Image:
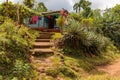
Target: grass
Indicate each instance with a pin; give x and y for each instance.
(79, 67)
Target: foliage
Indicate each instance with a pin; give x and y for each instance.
(97, 18)
(61, 21)
(81, 4)
(87, 12)
(15, 44)
(111, 23)
(24, 12)
(57, 36)
(87, 22)
(115, 11)
(76, 17)
(1, 19)
(78, 38)
(21, 69)
(29, 3)
(41, 7)
(113, 32)
(66, 71)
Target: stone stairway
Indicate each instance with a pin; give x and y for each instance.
(42, 45)
(42, 57)
(42, 54)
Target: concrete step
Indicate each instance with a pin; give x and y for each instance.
(42, 44)
(45, 35)
(42, 51)
(42, 40)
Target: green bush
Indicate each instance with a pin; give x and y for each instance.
(113, 32)
(64, 70)
(21, 69)
(78, 38)
(15, 44)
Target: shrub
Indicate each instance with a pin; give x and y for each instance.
(66, 71)
(113, 32)
(77, 38)
(15, 44)
(22, 69)
(87, 22)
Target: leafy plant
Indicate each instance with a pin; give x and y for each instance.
(66, 71)
(22, 69)
(24, 12)
(77, 38)
(15, 44)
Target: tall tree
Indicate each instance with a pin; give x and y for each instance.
(29, 3)
(85, 5)
(81, 4)
(41, 7)
(75, 7)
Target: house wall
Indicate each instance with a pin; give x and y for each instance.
(41, 22)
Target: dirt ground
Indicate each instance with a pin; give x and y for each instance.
(112, 69)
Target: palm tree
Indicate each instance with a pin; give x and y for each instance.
(81, 4)
(75, 7)
(85, 4)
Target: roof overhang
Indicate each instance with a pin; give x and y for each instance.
(50, 13)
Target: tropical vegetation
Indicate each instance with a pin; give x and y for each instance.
(15, 44)
(90, 38)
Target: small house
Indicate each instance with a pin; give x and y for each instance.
(46, 22)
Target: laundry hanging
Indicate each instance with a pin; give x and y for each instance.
(34, 19)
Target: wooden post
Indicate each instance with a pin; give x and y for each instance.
(7, 9)
(18, 16)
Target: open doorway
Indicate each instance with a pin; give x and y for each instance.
(51, 22)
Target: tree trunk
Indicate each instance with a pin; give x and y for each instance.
(6, 8)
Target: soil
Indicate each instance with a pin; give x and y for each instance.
(111, 69)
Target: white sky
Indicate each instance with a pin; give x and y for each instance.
(67, 4)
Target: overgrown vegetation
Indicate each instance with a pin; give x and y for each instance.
(24, 12)
(79, 40)
(90, 39)
(15, 44)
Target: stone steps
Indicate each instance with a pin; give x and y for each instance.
(42, 51)
(42, 40)
(45, 35)
(43, 44)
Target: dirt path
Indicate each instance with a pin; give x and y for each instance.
(112, 69)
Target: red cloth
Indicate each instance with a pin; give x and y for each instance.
(34, 19)
(49, 17)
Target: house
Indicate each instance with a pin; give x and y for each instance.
(46, 22)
